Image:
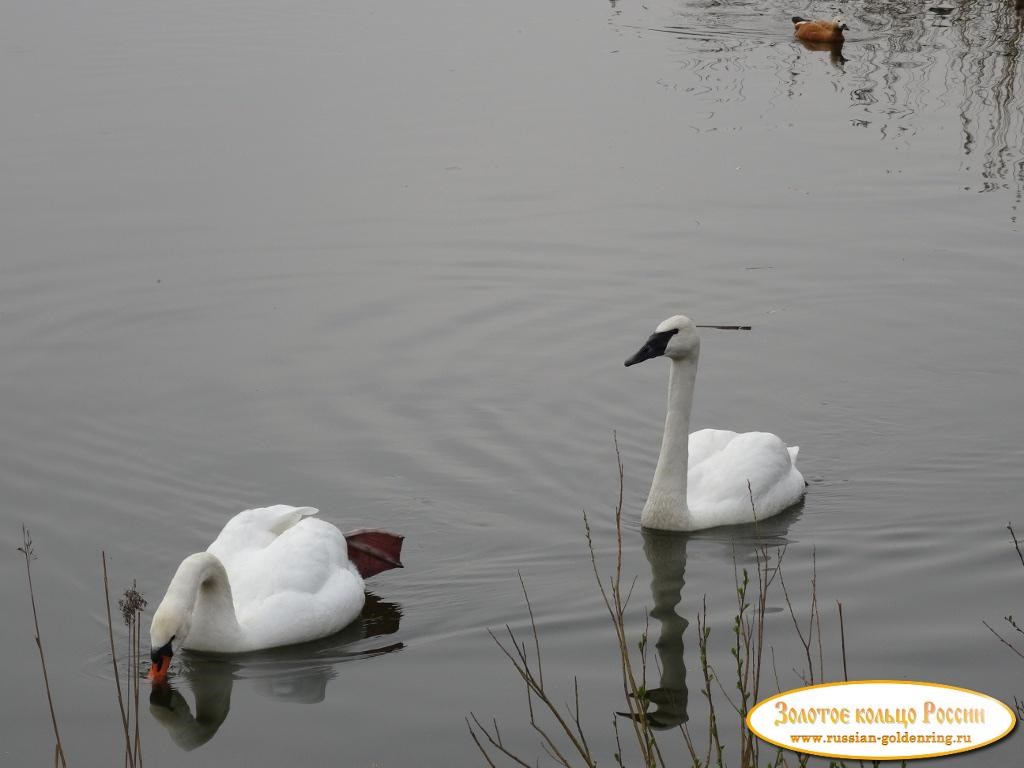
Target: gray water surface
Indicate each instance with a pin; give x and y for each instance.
(387, 260)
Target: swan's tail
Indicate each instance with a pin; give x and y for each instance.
(793, 451)
(372, 550)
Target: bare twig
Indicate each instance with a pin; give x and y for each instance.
(842, 638)
(1016, 543)
(521, 663)
(494, 740)
(618, 743)
(1003, 640)
(815, 613)
(805, 640)
(533, 623)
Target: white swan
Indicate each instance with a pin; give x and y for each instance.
(273, 576)
(701, 479)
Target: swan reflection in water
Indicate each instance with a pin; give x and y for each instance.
(297, 673)
(666, 554)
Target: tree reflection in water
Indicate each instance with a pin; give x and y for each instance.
(967, 53)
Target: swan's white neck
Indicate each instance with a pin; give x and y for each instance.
(201, 590)
(666, 504)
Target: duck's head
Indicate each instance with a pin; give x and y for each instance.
(170, 627)
(675, 338)
(840, 24)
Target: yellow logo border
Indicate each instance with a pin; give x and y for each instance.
(817, 753)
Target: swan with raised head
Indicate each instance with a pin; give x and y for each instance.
(273, 576)
(701, 479)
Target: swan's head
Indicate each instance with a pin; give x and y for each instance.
(675, 338)
(170, 627)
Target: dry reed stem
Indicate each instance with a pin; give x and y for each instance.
(129, 758)
(30, 555)
(131, 607)
(842, 638)
(135, 671)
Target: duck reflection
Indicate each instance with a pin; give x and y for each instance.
(297, 674)
(834, 50)
(666, 554)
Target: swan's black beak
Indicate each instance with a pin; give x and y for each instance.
(161, 658)
(646, 352)
(655, 347)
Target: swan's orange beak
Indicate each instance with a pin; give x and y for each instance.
(158, 672)
(161, 663)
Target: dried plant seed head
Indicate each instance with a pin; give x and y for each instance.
(131, 604)
(26, 545)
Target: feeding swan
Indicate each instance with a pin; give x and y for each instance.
(273, 576)
(701, 479)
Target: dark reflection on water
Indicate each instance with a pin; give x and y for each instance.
(834, 50)
(666, 554)
(298, 674)
(990, 65)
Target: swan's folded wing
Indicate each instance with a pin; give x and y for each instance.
(707, 443)
(718, 486)
(301, 559)
(288, 617)
(255, 529)
(299, 587)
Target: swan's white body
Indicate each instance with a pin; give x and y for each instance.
(274, 576)
(701, 479)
